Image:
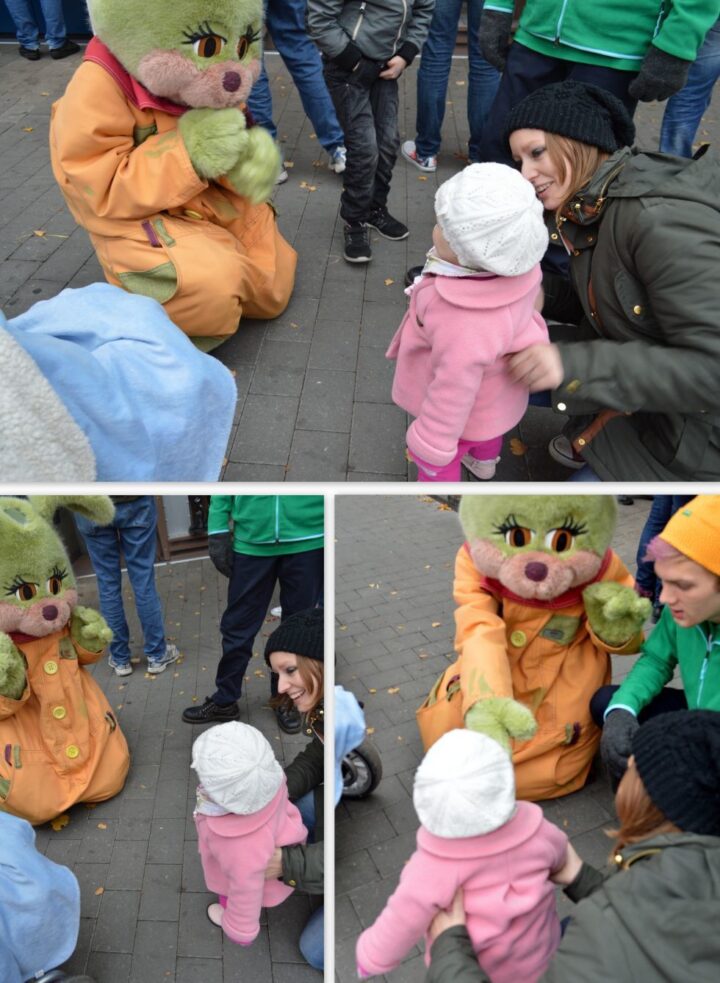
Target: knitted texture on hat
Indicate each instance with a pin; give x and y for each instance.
(301, 634)
(576, 110)
(677, 756)
(464, 786)
(694, 530)
(237, 766)
(492, 219)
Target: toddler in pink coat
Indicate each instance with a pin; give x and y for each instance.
(473, 304)
(474, 835)
(242, 814)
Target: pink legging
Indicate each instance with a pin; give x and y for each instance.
(482, 450)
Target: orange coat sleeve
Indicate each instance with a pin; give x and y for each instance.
(480, 637)
(100, 169)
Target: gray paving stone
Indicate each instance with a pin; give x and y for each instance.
(377, 440)
(326, 401)
(127, 865)
(115, 928)
(318, 456)
(155, 952)
(161, 892)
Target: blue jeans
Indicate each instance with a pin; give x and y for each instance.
(306, 807)
(132, 531)
(28, 32)
(661, 511)
(685, 109)
(434, 71)
(286, 22)
(311, 940)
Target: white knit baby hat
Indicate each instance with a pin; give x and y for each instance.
(237, 766)
(465, 786)
(492, 219)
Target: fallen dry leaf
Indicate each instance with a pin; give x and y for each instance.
(442, 507)
(388, 281)
(39, 233)
(422, 177)
(27, 129)
(99, 890)
(517, 447)
(342, 627)
(102, 825)
(436, 624)
(369, 730)
(393, 690)
(288, 163)
(372, 691)
(60, 822)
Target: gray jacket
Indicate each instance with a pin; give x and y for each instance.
(646, 266)
(347, 30)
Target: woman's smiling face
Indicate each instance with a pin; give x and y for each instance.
(529, 151)
(290, 681)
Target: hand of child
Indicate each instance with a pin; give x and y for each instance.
(569, 870)
(538, 367)
(274, 868)
(394, 68)
(448, 917)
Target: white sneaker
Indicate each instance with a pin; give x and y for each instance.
(338, 160)
(409, 152)
(282, 177)
(121, 668)
(561, 450)
(172, 654)
(215, 913)
(481, 469)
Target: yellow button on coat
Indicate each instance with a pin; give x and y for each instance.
(292, 883)
(59, 713)
(518, 638)
(191, 214)
(72, 751)
(50, 667)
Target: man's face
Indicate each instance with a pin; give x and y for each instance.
(690, 591)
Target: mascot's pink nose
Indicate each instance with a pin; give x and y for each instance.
(50, 612)
(536, 571)
(231, 81)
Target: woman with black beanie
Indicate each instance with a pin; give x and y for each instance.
(636, 371)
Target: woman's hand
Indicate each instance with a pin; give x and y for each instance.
(274, 868)
(538, 367)
(448, 917)
(569, 870)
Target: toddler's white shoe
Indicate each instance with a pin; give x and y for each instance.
(215, 913)
(481, 469)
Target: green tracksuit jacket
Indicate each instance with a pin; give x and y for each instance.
(269, 525)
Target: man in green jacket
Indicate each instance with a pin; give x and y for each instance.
(687, 561)
(273, 539)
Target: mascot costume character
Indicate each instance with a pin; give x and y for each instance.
(159, 160)
(542, 601)
(59, 740)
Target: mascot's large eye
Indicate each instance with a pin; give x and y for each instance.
(205, 42)
(23, 590)
(250, 36)
(559, 540)
(518, 536)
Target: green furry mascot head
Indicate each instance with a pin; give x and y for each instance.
(199, 53)
(37, 587)
(538, 546)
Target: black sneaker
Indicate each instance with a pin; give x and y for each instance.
(288, 720)
(211, 713)
(32, 54)
(412, 274)
(66, 48)
(389, 228)
(357, 243)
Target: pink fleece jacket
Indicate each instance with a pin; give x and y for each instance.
(451, 373)
(235, 850)
(509, 900)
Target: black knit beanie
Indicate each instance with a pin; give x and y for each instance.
(677, 756)
(582, 112)
(301, 634)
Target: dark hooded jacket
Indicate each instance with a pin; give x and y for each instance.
(645, 242)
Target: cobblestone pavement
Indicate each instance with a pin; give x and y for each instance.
(314, 386)
(143, 896)
(394, 611)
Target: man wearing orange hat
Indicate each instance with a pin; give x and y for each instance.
(686, 555)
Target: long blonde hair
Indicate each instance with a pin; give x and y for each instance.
(639, 817)
(581, 160)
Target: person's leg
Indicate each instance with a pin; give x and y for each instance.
(668, 700)
(28, 33)
(260, 103)
(433, 74)
(301, 586)
(660, 511)
(103, 546)
(483, 82)
(311, 940)
(483, 450)
(286, 22)
(352, 105)
(684, 110)
(249, 593)
(55, 30)
(306, 807)
(610, 79)
(448, 472)
(384, 102)
(585, 473)
(136, 523)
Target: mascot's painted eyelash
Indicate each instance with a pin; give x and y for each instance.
(206, 43)
(24, 590)
(559, 539)
(249, 38)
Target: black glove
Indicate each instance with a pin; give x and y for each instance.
(494, 37)
(616, 743)
(661, 76)
(365, 73)
(220, 548)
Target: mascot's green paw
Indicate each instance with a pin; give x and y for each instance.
(501, 719)
(89, 629)
(256, 172)
(12, 669)
(214, 138)
(615, 612)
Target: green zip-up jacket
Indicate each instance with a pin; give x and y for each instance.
(645, 242)
(695, 650)
(269, 525)
(613, 33)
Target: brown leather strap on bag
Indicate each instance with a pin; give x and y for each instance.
(589, 433)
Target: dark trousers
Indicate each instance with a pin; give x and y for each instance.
(369, 119)
(662, 510)
(667, 701)
(250, 591)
